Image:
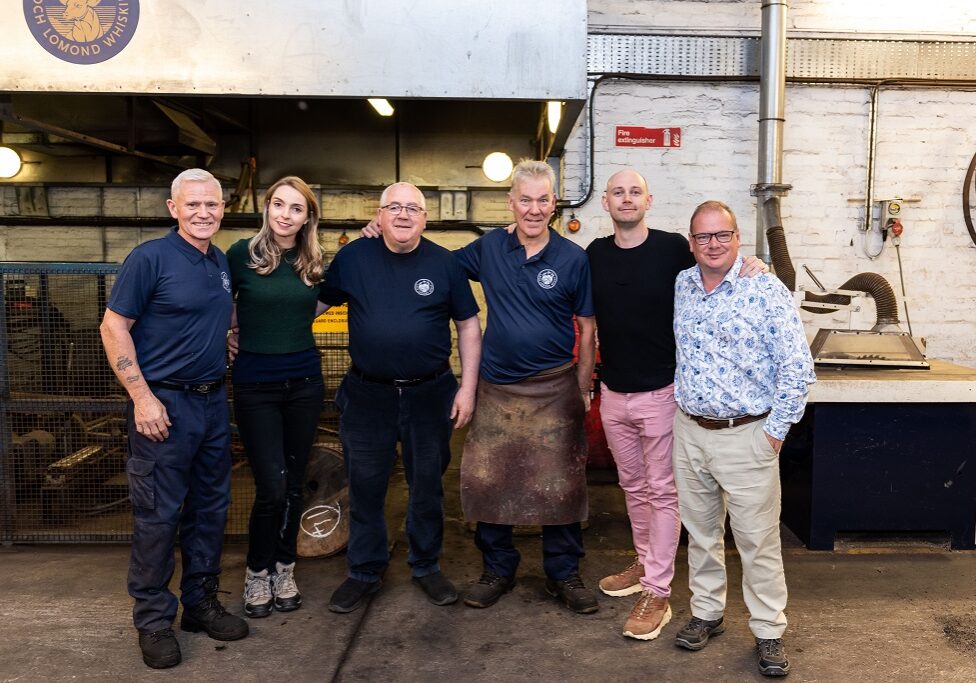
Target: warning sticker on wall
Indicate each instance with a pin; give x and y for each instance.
(336, 319)
(638, 136)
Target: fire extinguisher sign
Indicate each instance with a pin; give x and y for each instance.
(638, 136)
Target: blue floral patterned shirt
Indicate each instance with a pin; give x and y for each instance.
(741, 349)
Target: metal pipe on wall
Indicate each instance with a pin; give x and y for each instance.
(769, 188)
(772, 114)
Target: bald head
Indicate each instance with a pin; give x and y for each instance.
(628, 177)
(402, 217)
(627, 200)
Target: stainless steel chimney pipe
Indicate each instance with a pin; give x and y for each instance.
(772, 114)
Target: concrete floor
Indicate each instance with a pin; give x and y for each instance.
(897, 611)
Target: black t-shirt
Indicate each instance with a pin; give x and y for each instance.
(633, 295)
(400, 305)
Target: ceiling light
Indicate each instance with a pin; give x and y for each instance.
(382, 107)
(9, 163)
(497, 166)
(554, 112)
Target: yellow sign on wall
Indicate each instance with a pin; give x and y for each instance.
(336, 319)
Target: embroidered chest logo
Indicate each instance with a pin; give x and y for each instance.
(82, 31)
(225, 281)
(547, 278)
(423, 287)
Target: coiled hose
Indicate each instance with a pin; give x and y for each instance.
(877, 287)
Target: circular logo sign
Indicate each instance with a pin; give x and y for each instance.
(82, 31)
(547, 278)
(321, 520)
(423, 287)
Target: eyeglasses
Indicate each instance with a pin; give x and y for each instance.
(412, 209)
(703, 238)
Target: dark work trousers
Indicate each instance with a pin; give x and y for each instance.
(562, 547)
(278, 423)
(373, 417)
(182, 483)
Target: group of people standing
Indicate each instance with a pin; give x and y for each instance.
(704, 368)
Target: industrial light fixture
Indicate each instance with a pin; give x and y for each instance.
(10, 163)
(382, 107)
(554, 113)
(497, 166)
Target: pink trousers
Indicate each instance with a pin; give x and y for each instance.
(638, 428)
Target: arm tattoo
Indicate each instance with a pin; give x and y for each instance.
(134, 378)
(123, 363)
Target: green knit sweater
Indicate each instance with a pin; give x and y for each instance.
(275, 311)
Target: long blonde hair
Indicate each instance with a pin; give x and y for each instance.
(266, 254)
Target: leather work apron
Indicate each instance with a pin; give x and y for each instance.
(524, 459)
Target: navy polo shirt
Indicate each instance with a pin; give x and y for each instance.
(400, 305)
(181, 302)
(531, 302)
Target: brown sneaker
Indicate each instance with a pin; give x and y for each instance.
(626, 582)
(649, 616)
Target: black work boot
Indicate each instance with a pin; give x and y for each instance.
(488, 589)
(574, 594)
(160, 649)
(210, 616)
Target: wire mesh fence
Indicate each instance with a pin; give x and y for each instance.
(62, 425)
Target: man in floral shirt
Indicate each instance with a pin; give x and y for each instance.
(743, 370)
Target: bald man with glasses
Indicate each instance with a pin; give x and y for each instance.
(403, 293)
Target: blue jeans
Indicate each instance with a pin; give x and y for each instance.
(278, 423)
(373, 417)
(180, 484)
(562, 547)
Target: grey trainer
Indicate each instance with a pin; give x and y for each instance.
(286, 595)
(257, 593)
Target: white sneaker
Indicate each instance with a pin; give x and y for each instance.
(258, 599)
(286, 595)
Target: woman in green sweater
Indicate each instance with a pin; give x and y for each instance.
(278, 389)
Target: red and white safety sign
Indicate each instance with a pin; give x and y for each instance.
(638, 136)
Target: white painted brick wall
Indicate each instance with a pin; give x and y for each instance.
(925, 143)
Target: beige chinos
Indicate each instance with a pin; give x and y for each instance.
(734, 469)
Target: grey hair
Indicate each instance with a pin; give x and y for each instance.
(191, 175)
(386, 192)
(530, 168)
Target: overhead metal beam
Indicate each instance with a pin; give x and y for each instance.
(7, 114)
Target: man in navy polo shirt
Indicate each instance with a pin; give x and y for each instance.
(403, 291)
(164, 333)
(524, 459)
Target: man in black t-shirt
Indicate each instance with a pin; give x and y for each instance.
(633, 273)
